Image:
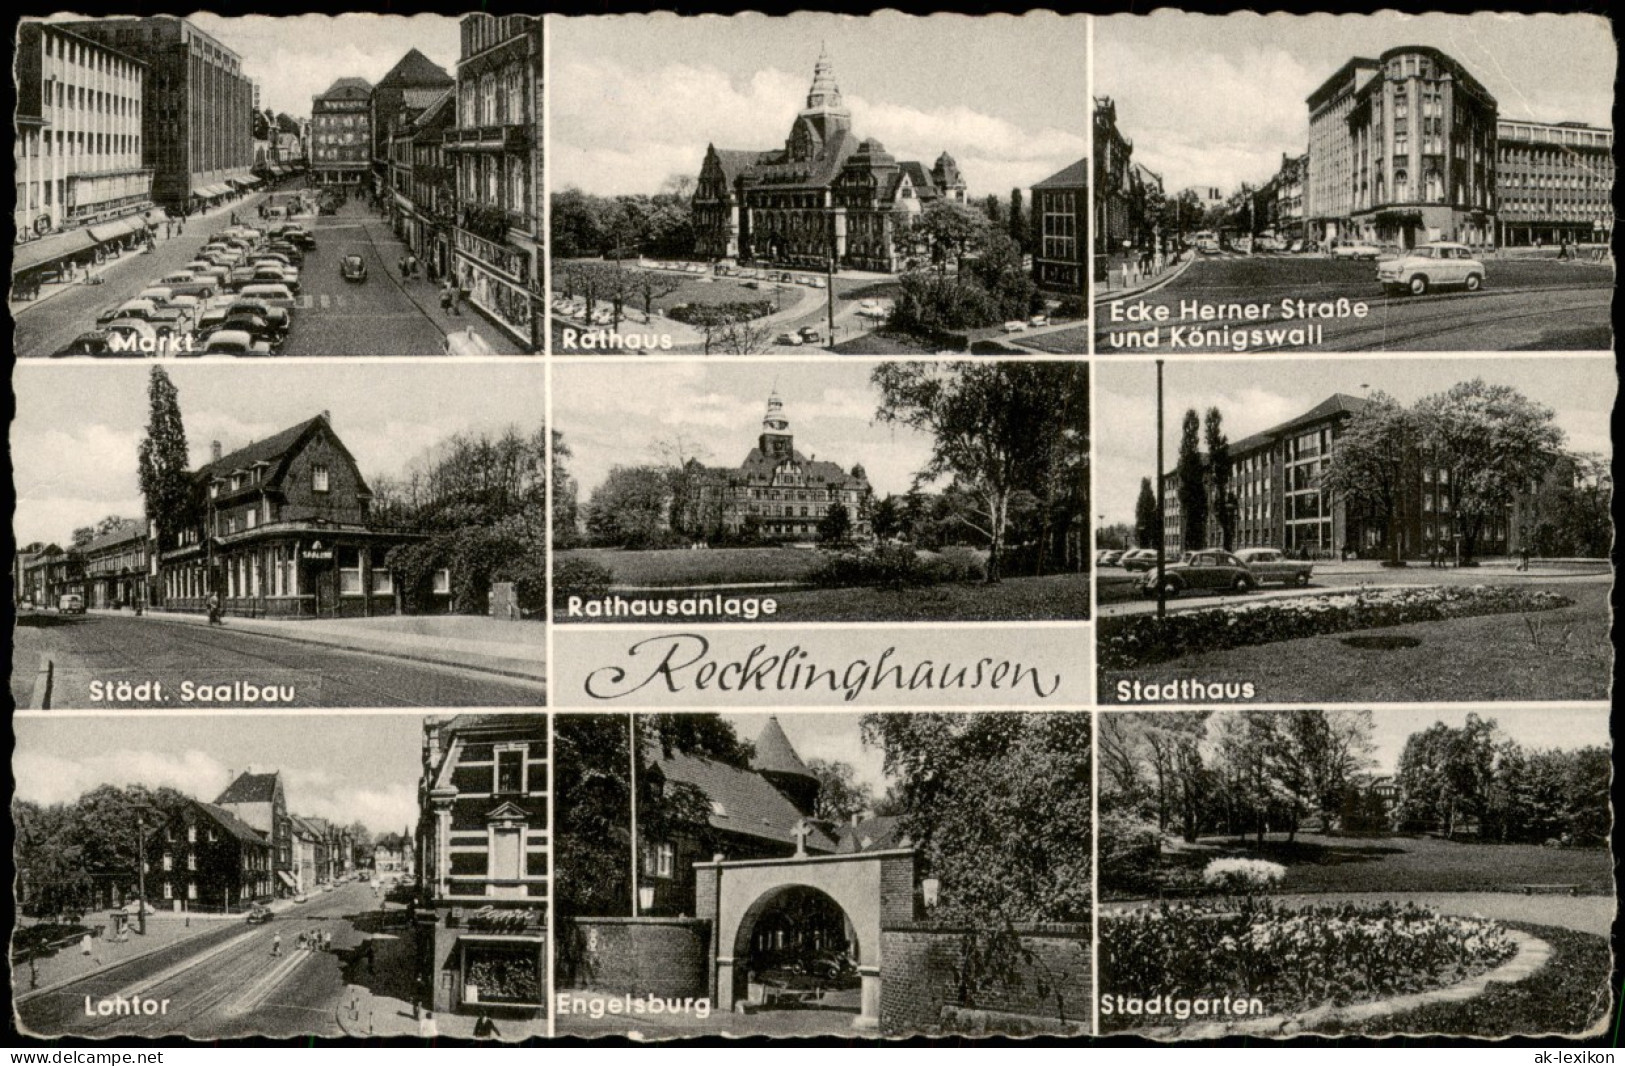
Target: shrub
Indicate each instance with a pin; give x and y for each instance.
(961, 565)
(895, 566)
(698, 314)
(1136, 640)
(1130, 850)
(580, 577)
(1242, 876)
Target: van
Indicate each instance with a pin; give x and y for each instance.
(71, 603)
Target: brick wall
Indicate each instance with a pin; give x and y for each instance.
(1050, 989)
(635, 956)
(898, 903)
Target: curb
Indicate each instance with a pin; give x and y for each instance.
(1166, 279)
(65, 982)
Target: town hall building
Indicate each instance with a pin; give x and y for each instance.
(826, 194)
(777, 493)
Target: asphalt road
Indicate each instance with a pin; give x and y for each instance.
(1118, 592)
(90, 649)
(380, 316)
(224, 983)
(1526, 305)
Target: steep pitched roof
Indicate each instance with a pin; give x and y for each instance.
(270, 450)
(250, 788)
(925, 187)
(232, 824)
(415, 70)
(878, 833)
(127, 529)
(1072, 177)
(347, 89)
(816, 471)
(775, 753)
(742, 801)
(735, 161)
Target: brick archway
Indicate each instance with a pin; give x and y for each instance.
(871, 889)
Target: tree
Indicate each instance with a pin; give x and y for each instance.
(1374, 467)
(83, 535)
(1492, 442)
(1018, 228)
(1147, 520)
(1003, 276)
(887, 519)
(840, 794)
(836, 525)
(651, 285)
(566, 516)
(1444, 775)
(1572, 508)
(1191, 475)
(1219, 468)
(166, 486)
(631, 509)
(997, 429)
(947, 232)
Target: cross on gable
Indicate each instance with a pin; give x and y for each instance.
(801, 832)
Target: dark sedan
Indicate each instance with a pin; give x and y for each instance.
(1209, 570)
(354, 268)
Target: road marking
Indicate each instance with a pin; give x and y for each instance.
(181, 967)
(256, 993)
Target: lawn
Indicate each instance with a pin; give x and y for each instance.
(1071, 341)
(681, 567)
(1569, 995)
(1561, 654)
(1381, 863)
(692, 289)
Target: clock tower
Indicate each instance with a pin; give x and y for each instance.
(776, 441)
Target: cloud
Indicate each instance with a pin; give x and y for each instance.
(622, 130)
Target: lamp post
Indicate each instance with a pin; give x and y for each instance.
(141, 868)
(632, 757)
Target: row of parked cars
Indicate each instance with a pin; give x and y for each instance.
(235, 297)
(1211, 569)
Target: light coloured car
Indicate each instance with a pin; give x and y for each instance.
(1139, 559)
(1015, 325)
(272, 294)
(1355, 250)
(1271, 564)
(1210, 570)
(1441, 263)
(233, 342)
(791, 340)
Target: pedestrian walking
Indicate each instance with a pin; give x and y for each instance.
(276, 945)
(457, 299)
(402, 265)
(1523, 557)
(447, 294)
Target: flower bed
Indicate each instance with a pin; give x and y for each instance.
(1137, 640)
(1293, 959)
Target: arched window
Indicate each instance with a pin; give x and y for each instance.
(1402, 186)
(1434, 187)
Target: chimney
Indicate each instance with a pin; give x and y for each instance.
(214, 451)
(327, 417)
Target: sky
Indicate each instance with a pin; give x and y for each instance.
(636, 98)
(297, 57)
(1211, 100)
(831, 737)
(75, 439)
(345, 768)
(1254, 395)
(611, 414)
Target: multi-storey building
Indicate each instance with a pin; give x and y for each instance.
(1060, 224)
(341, 133)
(1402, 150)
(283, 528)
(116, 566)
(1280, 501)
(777, 493)
(28, 573)
(196, 128)
(431, 184)
(826, 199)
(1289, 184)
(210, 860)
(1113, 155)
(259, 801)
(399, 97)
(80, 175)
(482, 862)
(1555, 182)
(497, 147)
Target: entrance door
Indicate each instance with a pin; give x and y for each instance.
(327, 593)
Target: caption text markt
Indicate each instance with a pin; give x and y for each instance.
(683, 661)
(1308, 315)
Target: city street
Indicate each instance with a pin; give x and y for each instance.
(380, 316)
(226, 983)
(91, 653)
(1526, 304)
(1118, 592)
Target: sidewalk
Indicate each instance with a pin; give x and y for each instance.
(69, 964)
(1114, 286)
(362, 1014)
(155, 220)
(513, 649)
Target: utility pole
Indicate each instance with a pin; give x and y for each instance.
(1162, 526)
(141, 870)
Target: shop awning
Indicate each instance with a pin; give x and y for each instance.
(288, 880)
(50, 249)
(243, 180)
(209, 192)
(112, 231)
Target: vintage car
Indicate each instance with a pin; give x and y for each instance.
(233, 342)
(1139, 559)
(1271, 564)
(1208, 570)
(353, 267)
(1432, 265)
(1355, 250)
(259, 915)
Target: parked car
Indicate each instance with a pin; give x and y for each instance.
(1356, 250)
(792, 340)
(1139, 559)
(96, 342)
(70, 603)
(1208, 569)
(276, 295)
(809, 335)
(259, 915)
(243, 322)
(278, 317)
(1111, 558)
(233, 342)
(164, 320)
(1271, 564)
(1441, 263)
(353, 267)
(142, 336)
(1015, 325)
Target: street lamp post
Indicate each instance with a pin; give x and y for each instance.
(141, 869)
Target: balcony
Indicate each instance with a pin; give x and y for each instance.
(511, 137)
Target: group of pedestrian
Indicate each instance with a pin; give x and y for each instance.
(452, 297)
(409, 266)
(311, 940)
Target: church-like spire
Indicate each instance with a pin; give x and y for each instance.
(825, 95)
